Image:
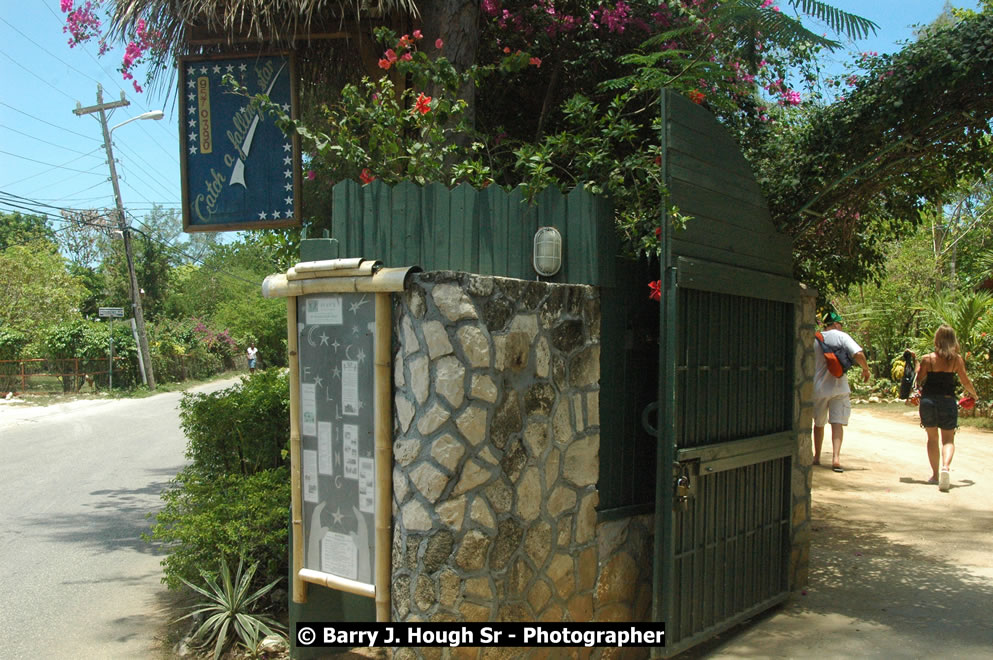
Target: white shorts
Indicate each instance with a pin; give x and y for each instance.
(834, 409)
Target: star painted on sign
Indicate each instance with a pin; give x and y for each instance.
(338, 516)
(192, 97)
(289, 201)
(193, 149)
(336, 372)
(191, 110)
(193, 136)
(192, 84)
(286, 107)
(287, 173)
(203, 70)
(360, 355)
(335, 345)
(287, 147)
(243, 67)
(276, 215)
(263, 215)
(318, 380)
(288, 186)
(193, 122)
(287, 160)
(324, 339)
(217, 68)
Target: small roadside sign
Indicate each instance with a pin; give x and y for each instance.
(112, 312)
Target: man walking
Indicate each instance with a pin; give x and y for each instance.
(252, 354)
(832, 395)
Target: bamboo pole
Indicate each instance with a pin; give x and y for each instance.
(296, 506)
(337, 582)
(382, 431)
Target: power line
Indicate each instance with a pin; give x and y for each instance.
(54, 144)
(27, 114)
(35, 74)
(40, 162)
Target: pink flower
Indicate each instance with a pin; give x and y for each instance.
(438, 44)
(391, 55)
(366, 176)
(66, 5)
(417, 34)
(311, 175)
(535, 61)
(384, 63)
(406, 57)
(766, 3)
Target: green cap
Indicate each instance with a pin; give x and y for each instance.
(832, 317)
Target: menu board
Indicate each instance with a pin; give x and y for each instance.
(335, 334)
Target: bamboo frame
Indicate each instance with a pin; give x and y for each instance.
(345, 276)
(382, 430)
(296, 505)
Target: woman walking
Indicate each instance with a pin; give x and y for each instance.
(938, 407)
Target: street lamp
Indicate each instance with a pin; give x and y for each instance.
(144, 355)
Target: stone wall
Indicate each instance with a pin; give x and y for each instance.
(496, 447)
(803, 418)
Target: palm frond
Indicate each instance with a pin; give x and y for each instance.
(850, 25)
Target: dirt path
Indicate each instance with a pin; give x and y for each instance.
(897, 568)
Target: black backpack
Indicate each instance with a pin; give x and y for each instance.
(909, 374)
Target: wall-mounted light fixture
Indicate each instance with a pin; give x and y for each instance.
(547, 251)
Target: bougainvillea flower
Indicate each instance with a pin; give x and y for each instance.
(535, 61)
(366, 176)
(438, 44)
(417, 34)
(696, 96)
(384, 64)
(423, 104)
(656, 288)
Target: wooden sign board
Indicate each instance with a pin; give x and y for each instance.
(239, 170)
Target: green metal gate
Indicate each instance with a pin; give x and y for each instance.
(726, 391)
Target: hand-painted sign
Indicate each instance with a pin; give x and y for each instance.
(240, 171)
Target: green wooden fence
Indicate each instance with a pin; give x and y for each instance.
(489, 231)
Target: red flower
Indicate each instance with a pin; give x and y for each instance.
(366, 176)
(656, 288)
(696, 96)
(658, 160)
(423, 104)
(535, 61)
(384, 64)
(438, 44)
(506, 49)
(658, 232)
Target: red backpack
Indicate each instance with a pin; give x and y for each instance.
(839, 360)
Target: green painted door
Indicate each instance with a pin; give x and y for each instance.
(725, 542)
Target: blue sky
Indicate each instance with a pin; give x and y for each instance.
(52, 158)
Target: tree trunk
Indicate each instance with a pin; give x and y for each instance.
(456, 23)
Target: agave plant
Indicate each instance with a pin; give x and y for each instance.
(227, 609)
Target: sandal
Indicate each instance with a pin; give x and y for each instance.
(837, 468)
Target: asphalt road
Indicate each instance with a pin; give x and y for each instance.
(77, 481)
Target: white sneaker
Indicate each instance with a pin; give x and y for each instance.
(944, 481)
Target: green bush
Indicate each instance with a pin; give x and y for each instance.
(241, 429)
(207, 519)
(232, 502)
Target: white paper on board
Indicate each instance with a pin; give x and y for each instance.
(324, 458)
(350, 387)
(310, 492)
(339, 556)
(367, 491)
(324, 311)
(350, 437)
(308, 408)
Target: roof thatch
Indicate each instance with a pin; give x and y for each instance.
(197, 26)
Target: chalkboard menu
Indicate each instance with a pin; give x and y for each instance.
(335, 343)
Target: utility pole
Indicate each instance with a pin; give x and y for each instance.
(139, 316)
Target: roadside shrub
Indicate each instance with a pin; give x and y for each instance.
(239, 430)
(224, 517)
